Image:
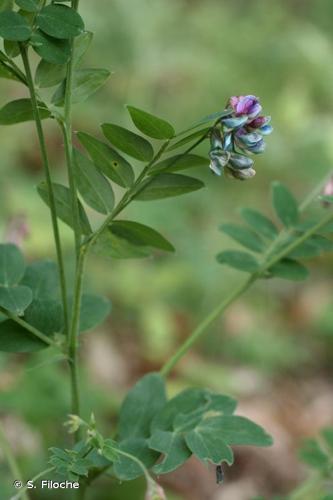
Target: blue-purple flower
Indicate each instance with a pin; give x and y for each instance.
(238, 135)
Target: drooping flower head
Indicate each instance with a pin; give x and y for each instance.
(239, 134)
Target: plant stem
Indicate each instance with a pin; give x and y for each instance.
(45, 161)
(204, 324)
(66, 127)
(29, 327)
(215, 313)
(22, 492)
(12, 463)
(74, 330)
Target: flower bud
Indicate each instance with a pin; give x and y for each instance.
(154, 491)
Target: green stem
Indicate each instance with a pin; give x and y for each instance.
(12, 463)
(45, 161)
(215, 313)
(66, 127)
(204, 325)
(29, 328)
(74, 331)
(22, 492)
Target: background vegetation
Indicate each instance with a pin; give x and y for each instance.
(273, 350)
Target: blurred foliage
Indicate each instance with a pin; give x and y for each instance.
(182, 59)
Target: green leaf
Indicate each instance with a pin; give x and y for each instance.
(189, 138)
(12, 49)
(166, 186)
(8, 72)
(242, 261)
(46, 315)
(260, 223)
(141, 404)
(28, 5)
(52, 50)
(49, 75)
(64, 205)
(207, 119)
(174, 449)
(127, 469)
(108, 160)
(128, 142)
(182, 408)
(20, 111)
(140, 235)
(244, 236)
(14, 27)
(92, 185)
(85, 83)
(14, 338)
(285, 205)
(236, 430)
(209, 446)
(81, 45)
(327, 434)
(42, 278)
(312, 454)
(60, 21)
(94, 310)
(12, 265)
(15, 298)
(326, 198)
(179, 162)
(151, 125)
(289, 269)
(6, 5)
(111, 245)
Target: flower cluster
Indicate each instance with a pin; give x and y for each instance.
(237, 135)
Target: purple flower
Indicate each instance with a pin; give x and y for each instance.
(248, 105)
(238, 134)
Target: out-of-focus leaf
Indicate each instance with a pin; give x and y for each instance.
(312, 454)
(289, 269)
(285, 205)
(81, 45)
(242, 261)
(28, 5)
(94, 310)
(12, 265)
(14, 338)
(15, 298)
(244, 236)
(260, 223)
(42, 278)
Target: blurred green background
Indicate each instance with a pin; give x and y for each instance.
(182, 59)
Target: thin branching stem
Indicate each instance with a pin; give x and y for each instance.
(203, 326)
(52, 201)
